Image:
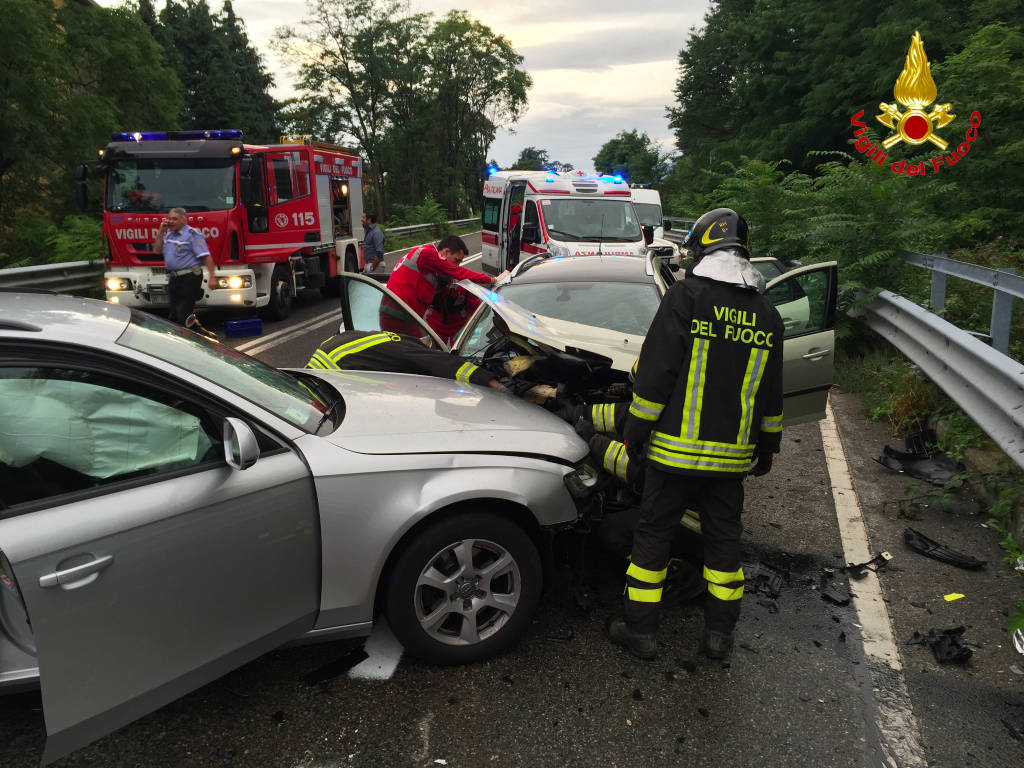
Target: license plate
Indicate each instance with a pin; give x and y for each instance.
(157, 295)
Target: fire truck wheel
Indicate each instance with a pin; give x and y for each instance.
(282, 292)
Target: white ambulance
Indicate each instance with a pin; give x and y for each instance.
(564, 214)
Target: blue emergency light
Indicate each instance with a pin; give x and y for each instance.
(228, 133)
(491, 170)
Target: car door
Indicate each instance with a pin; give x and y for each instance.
(806, 300)
(361, 307)
(146, 564)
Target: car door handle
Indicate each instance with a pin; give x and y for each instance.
(69, 575)
(816, 354)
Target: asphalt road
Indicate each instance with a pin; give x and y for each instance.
(811, 683)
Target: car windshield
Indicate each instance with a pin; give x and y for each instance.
(649, 213)
(575, 220)
(621, 307)
(266, 387)
(164, 183)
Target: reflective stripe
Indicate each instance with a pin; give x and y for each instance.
(694, 389)
(771, 423)
(319, 360)
(645, 409)
(360, 345)
(687, 461)
(722, 577)
(603, 417)
(644, 595)
(725, 593)
(412, 262)
(751, 383)
(465, 371)
(642, 574)
(675, 443)
(616, 461)
(691, 520)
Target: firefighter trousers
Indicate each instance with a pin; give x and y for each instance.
(665, 500)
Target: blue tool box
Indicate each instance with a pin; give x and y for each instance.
(243, 326)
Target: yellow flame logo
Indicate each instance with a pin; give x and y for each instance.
(915, 90)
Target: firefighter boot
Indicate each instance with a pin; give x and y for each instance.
(717, 645)
(640, 644)
(193, 324)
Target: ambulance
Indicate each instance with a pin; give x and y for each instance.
(564, 214)
(647, 203)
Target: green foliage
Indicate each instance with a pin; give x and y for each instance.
(634, 156)
(77, 239)
(532, 159)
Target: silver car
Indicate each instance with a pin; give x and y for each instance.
(586, 318)
(171, 508)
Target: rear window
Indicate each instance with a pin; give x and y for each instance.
(489, 218)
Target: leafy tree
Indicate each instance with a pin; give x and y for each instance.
(633, 156)
(532, 159)
(257, 111)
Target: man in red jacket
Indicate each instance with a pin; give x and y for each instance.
(417, 277)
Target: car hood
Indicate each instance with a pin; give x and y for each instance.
(398, 413)
(621, 349)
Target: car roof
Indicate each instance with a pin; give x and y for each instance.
(593, 268)
(62, 317)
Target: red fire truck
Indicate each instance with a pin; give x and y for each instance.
(278, 218)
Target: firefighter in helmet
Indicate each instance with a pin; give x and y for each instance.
(706, 411)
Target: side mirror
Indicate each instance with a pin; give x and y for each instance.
(666, 224)
(240, 446)
(245, 180)
(81, 195)
(81, 172)
(531, 233)
(648, 234)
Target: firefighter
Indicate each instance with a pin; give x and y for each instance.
(416, 279)
(386, 351)
(707, 408)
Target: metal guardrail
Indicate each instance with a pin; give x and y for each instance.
(680, 228)
(84, 276)
(982, 380)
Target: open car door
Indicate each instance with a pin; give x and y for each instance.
(806, 299)
(367, 305)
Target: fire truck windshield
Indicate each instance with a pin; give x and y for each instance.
(144, 185)
(575, 220)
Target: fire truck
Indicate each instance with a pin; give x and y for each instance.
(564, 214)
(277, 218)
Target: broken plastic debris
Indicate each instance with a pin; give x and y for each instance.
(440, 761)
(952, 596)
(832, 590)
(945, 644)
(1018, 641)
(918, 542)
(917, 461)
(760, 578)
(876, 564)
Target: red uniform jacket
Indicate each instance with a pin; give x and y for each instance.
(415, 280)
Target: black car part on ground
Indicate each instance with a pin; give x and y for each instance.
(918, 542)
(934, 468)
(945, 644)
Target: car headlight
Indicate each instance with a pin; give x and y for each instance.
(118, 284)
(581, 481)
(234, 281)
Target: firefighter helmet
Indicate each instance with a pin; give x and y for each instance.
(717, 229)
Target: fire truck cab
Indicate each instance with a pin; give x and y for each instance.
(565, 214)
(277, 218)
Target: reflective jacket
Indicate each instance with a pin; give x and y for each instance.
(415, 279)
(383, 351)
(708, 391)
(450, 310)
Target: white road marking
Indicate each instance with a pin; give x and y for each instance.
(384, 654)
(264, 343)
(900, 735)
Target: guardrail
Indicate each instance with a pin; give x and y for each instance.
(84, 276)
(982, 380)
(680, 228)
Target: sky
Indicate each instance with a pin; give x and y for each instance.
(598, 66)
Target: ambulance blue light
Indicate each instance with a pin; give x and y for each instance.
(550, 179)
(618, 177)
(491, 170)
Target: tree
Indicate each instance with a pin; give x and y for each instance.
(532, 159)
(633, 156)
(257, 110)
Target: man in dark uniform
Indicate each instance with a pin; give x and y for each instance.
(387, 351)
(707, 408)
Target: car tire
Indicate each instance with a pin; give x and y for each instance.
(464, 589)
(282, 293)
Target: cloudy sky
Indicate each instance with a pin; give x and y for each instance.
(598, 66)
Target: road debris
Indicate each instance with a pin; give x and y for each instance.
(921, 460)
(832, 590)
(918, 542)
(945, 644)
(875, 564)
(763, 579)
(952, 596)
